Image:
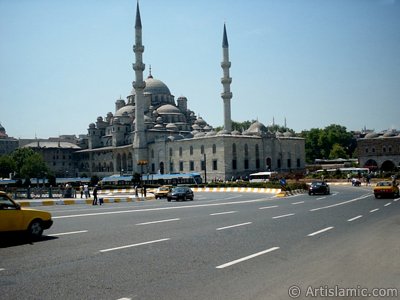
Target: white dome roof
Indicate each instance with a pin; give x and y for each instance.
(168, 109)
(155, 87)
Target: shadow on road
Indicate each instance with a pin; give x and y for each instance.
(12, 240)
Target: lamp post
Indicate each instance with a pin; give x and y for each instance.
(205, 168)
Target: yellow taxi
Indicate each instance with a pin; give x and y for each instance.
(14, 218)
(162, 191)
(386, 189)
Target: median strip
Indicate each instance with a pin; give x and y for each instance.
(232, 226)
(246, 258)
(134, 245)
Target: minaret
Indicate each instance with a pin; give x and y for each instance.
(226, 83)
(139, 143)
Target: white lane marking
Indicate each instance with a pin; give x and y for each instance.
(266, 207)
(374, 210)
(160, 208)
(67, 233)
(237, 225)
(355, 218)
(160, 221)
(223, 213)
(341, 203)
(282, 216)
(246, 258)
(2, 269)
(295, 203)
(397, 199)
(320, 198)
(320, 231)
(387, 204)
(134, 245)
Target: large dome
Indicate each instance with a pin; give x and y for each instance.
(168, 109)
(127, 110)
(155, 87)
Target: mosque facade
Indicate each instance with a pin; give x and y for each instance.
(149, 132)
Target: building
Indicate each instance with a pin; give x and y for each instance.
(380, 151)
(7, 144)
(151, 133)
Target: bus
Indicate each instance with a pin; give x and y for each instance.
(262, 176)
(155, 179)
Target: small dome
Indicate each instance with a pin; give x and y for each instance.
(196, 127)
(126, 110)
(92, 126)
(199, 134)
(171, 127)
(168, 109)
(371, 135)
(288, 134)
(207, 128)
(211, 133)
(256, 128)
(147, 119)
(200, 122)
(222, 132)
(235, 132)
(389, 133)
(159, 127)
(159, 120)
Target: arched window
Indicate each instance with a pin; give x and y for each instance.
(214, 149)
(170, 151)
(234, 150)
(180, 151)
(202, 149)
(191, 150)
(152, 153)
(246, 150)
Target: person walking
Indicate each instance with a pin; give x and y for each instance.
(94, 196)
(86, 191)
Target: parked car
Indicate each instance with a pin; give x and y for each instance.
(14, 218)
(162, 191)
(386, 189)
(319, 187)
(180, 193)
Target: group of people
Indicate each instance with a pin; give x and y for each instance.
(84, 190)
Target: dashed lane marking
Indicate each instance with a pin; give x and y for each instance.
(320, 231)
(374, 210)
(355, 218)
(387, 204)
(341, 203)
(246, 258)
(223, 213)
(67, 233)
(160, 221)
(232, 226)
(295, 203)
(283, 216)
(134, 245)
(266, 207)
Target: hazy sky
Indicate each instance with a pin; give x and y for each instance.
(313, 62)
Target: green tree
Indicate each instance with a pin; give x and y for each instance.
(337, 152)
(28, 163)
(7, 166)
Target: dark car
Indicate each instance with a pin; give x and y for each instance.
(180, 193)
(319, 187)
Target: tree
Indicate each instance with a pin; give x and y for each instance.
(7, 166)
(28, 163)
(319, 143)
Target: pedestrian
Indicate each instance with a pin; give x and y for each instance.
(144, 191)
(136, 190)
(94, 195)
(81, 190)
(86, 191)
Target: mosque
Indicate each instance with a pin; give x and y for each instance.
(150, 132)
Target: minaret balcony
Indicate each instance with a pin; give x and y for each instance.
(226, 95)
(225, 80)
(138, 66)
(138, 48)
(139, 84)
(226, 64)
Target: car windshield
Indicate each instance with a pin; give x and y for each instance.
(179, 190)
(384, 183)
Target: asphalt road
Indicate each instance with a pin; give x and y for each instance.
(219, 246)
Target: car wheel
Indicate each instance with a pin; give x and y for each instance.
(184, 198)
(377, 196)
(169, 200)
(35, 229)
